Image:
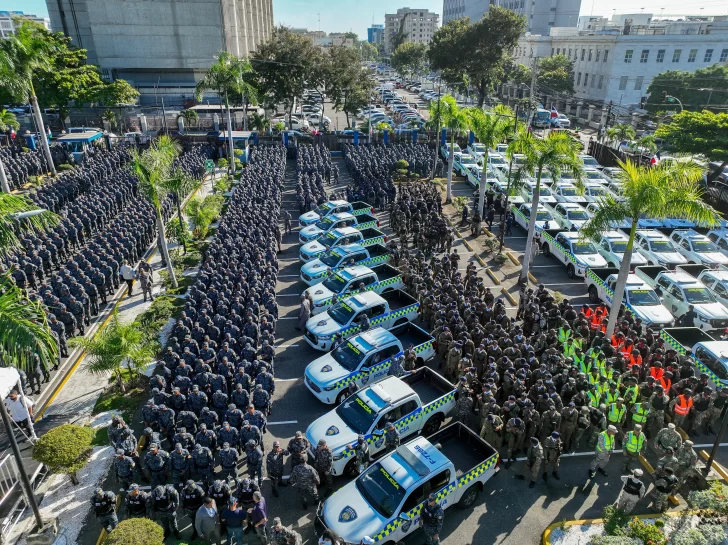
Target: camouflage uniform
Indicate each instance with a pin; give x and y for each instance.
(305, 479)
(323, 463)
(491, 430)
(552, 447)
(532, 466)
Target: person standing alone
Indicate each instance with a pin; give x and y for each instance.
(129, 275)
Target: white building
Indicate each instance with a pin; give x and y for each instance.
(616, 60)
(419, 24)
(541, 15)
(7, 27)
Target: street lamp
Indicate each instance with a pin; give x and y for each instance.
(25, 215)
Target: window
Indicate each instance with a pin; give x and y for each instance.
(592, 81)
(638, 83)
(552, 51)
(725, 50)
(558, 51)
(586, 79)
(711, 362)
(440, 481)
(578, 79)
(601, 82)
(708, 55)
(599, 52)
(691, 56)
(660, 55)
(644, 56)
(416, 497)
(676, 55)
(606, 55)
(590, 55)
(583, 53)
(628, 56)
(724, 55)
(622, 83)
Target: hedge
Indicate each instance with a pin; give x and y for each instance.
(64, 449)
(137, 531)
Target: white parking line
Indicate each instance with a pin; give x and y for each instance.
(564, 284)
(288, 295)
(287, 276)
(547, 266)
(296, 422)
(287, 379)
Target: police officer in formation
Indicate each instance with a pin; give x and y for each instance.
(104, 504)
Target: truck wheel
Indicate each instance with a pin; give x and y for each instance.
(468, 499)
(399, 322)
(432, 425)
(593, 294)
(340, 398)
(351, 470)
(570, 271)
(546, 250)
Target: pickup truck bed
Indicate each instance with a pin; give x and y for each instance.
(692, 270)
(428, 385)
(409, 334)
(398, 299)
(360, 205)
(372, 233)
(463, 447)
(604, 272)
(688, 336)
(385, 272)
(377, 250)
(649, 273)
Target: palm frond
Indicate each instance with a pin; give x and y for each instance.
(610, 212)
(12, 229)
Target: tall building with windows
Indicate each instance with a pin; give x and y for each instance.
(615, 60)
(375, 34)
(7, 25)
(419, 24)
(541, 15)
(162, 45)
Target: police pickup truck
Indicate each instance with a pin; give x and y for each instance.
(639, 297)
(348, 281)
(340, 257)
(334, 207)
(341, 237)
(386, 500)
(544, 219)
(364, 359)
(344, 319)
(417, 402)
(334, 221)
(709, 355)
(576, 254)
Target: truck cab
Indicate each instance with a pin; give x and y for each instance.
(612, 245)
(544, 219)
(658, 249)
(567, 192)
(461, 163)
(680, 290)
(335, 221)
(569, 215)
(334, 207)
(709, 355)
(545, 195)
(716, 280)
(477, 151)
(697, 248)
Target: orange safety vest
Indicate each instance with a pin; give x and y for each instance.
(595, 322)
(626, 350)
(588, 312)
(615, 341)
(683, 405)
(657, 372)
(634, 361)
(666, 383)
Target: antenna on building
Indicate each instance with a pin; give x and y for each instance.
(319, 20)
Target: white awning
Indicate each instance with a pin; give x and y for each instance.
(9, 378)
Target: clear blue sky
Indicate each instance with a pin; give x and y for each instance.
(358, 15)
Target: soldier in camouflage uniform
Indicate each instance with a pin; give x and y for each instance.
(296, 447)
(532, 465)
(464, 406)
(323, 462)
(569, 420)
(305, 479)
(515, 434)
(656, 416)
(687, 461)
(104, 504)
(668, 460)
(552, 448)
(361, 450)
(665, 486)
(274, 466)
(491, 430)
(668, 438)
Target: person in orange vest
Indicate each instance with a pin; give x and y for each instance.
(665, 381)
(657, 371)
(617, 341)
(634, 359)
(586, 309)
(626, 348)
(596, 320)
(681, 407)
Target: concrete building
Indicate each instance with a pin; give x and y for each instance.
(541, 15)
(616, 60)
(7, 26)
(420, 25)
(375, 34)
(164, 46)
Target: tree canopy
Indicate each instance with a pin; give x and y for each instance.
(703, 89)
(556, 74)
(409, 59)
(369, 52)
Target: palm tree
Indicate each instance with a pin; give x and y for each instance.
(24, 331)
(455, 120)
(179, 183)
(151, 168)
(190, 117)
(21, 56)
(110, 117)
(621, 132)
(117, 346)
(656, 192)
(490, 128)
(433, 124)
(227, 77)
(7, 121)
(259, 122)
(555, 153)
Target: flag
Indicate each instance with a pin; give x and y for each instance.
(554, 112)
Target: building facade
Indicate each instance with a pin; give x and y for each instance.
(616, 62)
(541, 15)
(7, 26)
(164, 45)
(419, 24)
(375, 34)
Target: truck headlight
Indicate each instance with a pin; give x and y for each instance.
(703, 318)
(338, 457)
(323, 337)
(329, 388)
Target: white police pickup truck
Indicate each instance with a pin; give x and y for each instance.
(577, 255)
(386, 500)
(639, 297)
(340, 257)
(349, 281)
(341, 237)
(335, 221)
(710, 356)
(334, 207)
(544, 219)
(418, 402)
(364, 359)
(344, 319)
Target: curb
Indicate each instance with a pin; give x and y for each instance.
(532, 278)
(509, 296)
(492, 275)
(480, 260)
(513, 258)
(467, 245)
(545, 539)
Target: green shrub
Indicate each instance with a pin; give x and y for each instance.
(222, 185)
(25, 150)
(688, 536)
(138, 531)
(178, 232)
(65, 167)
(648, 533)
(64, 449)
(222, 162)
(459, 203)
(714, 499)
(713, 533)
(238, 164)
(614, 540)
(237, 152)
(613, 519)
(401, 165)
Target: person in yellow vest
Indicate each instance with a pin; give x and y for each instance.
(617, 415)
(612, 394)
(593, 396)
(602, 386)
(580, 360)
(600, 362)
(593, 376)
(603, 451)
(578, 341)
(633, 443)
(640, 412)
(564, 333)
(569, 348)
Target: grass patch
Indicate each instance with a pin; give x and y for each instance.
(113, 400)
(101, 437)
(161, 310)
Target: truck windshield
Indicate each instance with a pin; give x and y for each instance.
(583, 248)
(335, 283)
(331, 260)
(704, 246)
(324, 224)
(569, 191)
(357, 414)
(348, 356)
(643, 298)
(578, 215)
(661, 246)
(543, 215)
(380, 490)
(323, 210)
(699, 296)
(619, 246)
(467, 160)
(341, 313)
(597, 191)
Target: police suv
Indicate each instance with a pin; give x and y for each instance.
(334, 207)
(340, 257)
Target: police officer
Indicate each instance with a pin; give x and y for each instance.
(229, 462)
(164, 504)
(431, 519)
(297, 447)
(632, 491)
(203, 463)
(137, 502)
(156, 463)
(274, 465)
(254, 458)
(361, 450)
(180, 463)
(323, 462)
(305, 478)
(192, 495)
(391, 437)
(534, 458)
(124, 469)
(104, 504)
(665, 485)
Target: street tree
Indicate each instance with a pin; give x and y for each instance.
(702, 89)
(448, 50)
(556, 74)
(179, 183)
(658, 192)
(621, 132)
(490, 128)
(456, 120)
(434, 124)
(116, 93)
(7, 121)
(409, 59)
(27, 52)
(695, 133)
(554, 154)
(190, 117)
(369, 52)
(400, 36)
(152, 168)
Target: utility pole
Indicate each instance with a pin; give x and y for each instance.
(531, 99)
